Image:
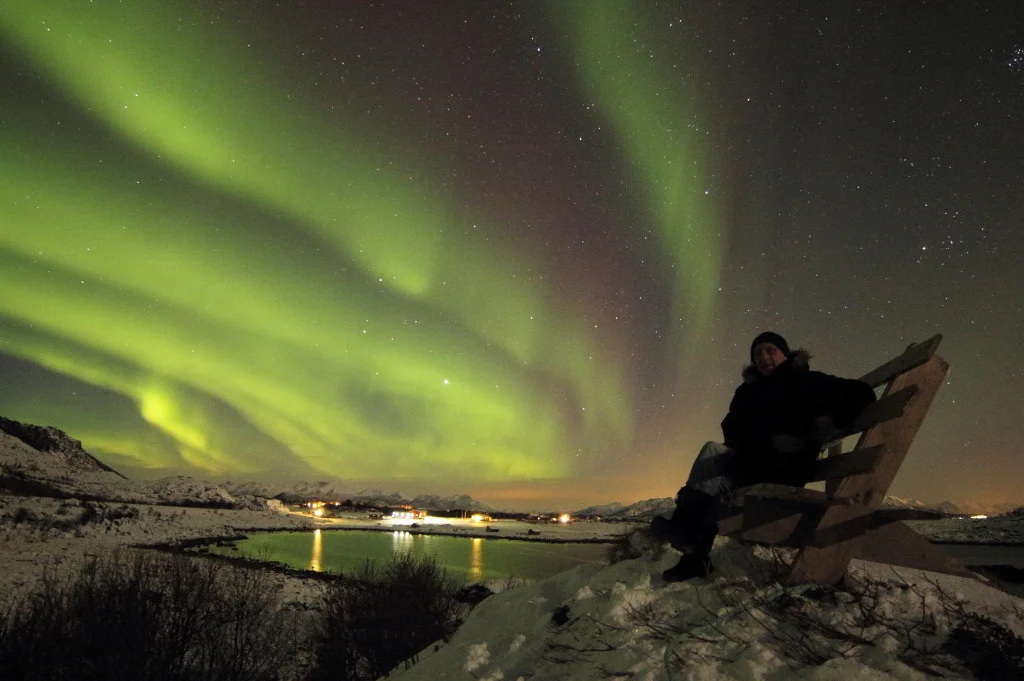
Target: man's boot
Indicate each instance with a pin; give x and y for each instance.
(696, 561)
(689, 566)
(700, 528)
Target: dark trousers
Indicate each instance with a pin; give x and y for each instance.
(695, 518)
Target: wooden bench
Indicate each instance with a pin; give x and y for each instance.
(845, 521)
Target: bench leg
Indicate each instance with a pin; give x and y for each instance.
(897, 544)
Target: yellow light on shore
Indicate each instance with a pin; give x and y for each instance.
(978, 517)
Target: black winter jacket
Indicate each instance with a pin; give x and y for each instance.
(786, 402)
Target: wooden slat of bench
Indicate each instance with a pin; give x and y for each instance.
(827, 564)
(765, 521)
(856, 462)
(891, 406)
(915, 355)
(779, 530)
(785, 493)
(885, 409)
(832, 485)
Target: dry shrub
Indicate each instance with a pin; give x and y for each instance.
(142, 615)
(384, 617)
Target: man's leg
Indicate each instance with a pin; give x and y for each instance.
(701, 525)
(710, 477)
(712, 472)
(694, 522)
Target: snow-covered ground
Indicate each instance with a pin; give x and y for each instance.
(624, 622)
(617, 621)
(43, 533)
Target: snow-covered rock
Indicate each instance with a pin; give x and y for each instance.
(59, 468)
(44, 461)
(55, 445)
(623, 621)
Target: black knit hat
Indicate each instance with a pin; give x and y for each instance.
(773, 338)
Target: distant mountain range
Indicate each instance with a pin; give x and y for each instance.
(652, 507)
(45, 461)
(334, 490)
(951, 508)
(641, 509)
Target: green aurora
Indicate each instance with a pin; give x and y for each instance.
(221, 274)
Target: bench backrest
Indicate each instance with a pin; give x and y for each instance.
(888, 425)
(888, 428)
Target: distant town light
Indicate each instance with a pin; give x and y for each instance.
(978, 517)
(409, 515)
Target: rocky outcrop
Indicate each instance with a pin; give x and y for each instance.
(42, 461)
(56, 443)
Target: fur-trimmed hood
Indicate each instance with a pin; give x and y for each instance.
(800, 359)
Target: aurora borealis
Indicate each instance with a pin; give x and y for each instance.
(510, 249)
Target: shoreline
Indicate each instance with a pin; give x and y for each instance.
(40, 534)
(53, 533)
(450, 531)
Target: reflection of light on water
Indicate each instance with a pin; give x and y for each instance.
(401, 541)
(476, 559)
(316, 563)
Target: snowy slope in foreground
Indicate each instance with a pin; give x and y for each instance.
(624, 622)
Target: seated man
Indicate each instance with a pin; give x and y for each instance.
(778, 420)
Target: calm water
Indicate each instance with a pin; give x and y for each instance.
(466, 559)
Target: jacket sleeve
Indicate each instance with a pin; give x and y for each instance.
(738, 427)
(732, 428)
(843, 398)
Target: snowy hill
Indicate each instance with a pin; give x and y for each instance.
(909, 502)
(294, 491)
(45, 462)
(461, 501)
(642, 509)
(663, 506)
(622, 621)
(56, 445)
(604, 510)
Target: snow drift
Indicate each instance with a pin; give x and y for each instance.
(623, 622)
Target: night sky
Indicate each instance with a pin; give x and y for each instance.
(515, 249)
